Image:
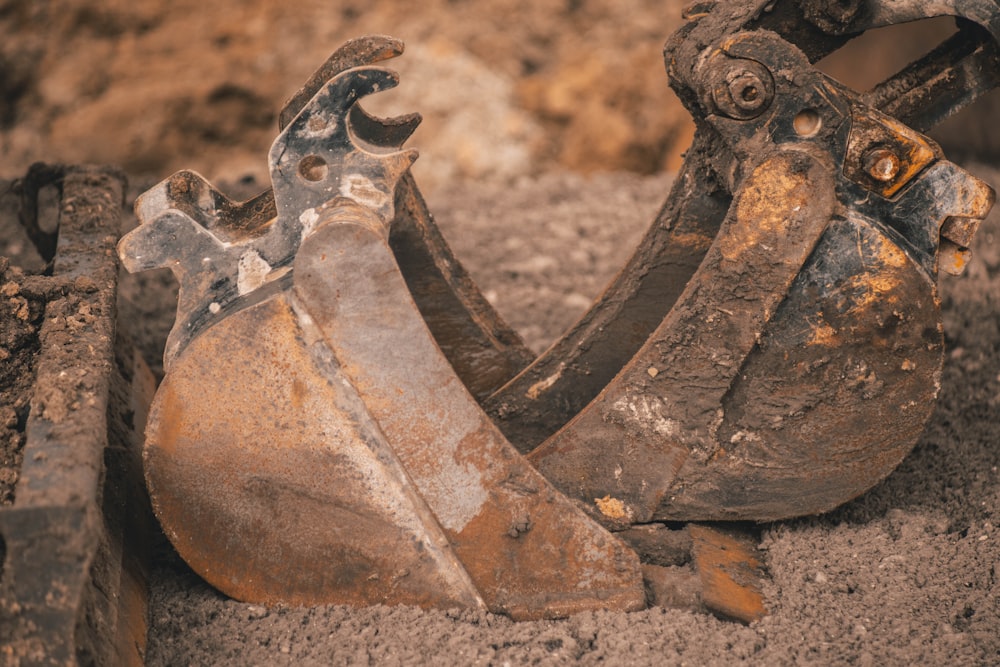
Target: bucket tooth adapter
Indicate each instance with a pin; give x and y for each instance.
(344, 418)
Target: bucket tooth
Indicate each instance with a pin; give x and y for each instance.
(530, 552)
(731, 572)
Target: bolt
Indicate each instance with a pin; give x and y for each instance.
(743, 90)
(882, 164)
(747, 91)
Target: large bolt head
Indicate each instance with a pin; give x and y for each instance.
(743, 89)
(747, 91)
(882, 164)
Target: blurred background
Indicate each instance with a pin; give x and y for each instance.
(507, 88)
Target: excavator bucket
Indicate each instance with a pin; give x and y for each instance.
(798, 363)
(344, 418)
(309, 442)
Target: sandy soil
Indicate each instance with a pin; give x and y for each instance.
(506, 86)
(907, 574)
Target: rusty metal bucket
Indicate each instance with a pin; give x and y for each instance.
(310, 442)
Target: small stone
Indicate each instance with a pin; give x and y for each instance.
(8, 475)
(820, 578)
(652, 372)
(255, 612)
(85, 284)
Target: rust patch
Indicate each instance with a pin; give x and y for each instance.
(529, 552)
(286, 443)
(731, 572)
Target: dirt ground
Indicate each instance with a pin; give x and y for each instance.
(554, 118)
(907, 574)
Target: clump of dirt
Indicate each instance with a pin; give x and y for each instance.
(21, 311)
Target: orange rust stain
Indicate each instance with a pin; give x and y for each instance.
(691, 240)
(883, 277)
(613, 508)
(875, 288)
(299, 393)
(730, 573)
(952, 259)
(764, 211)
(823, 334)
(165, 426)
